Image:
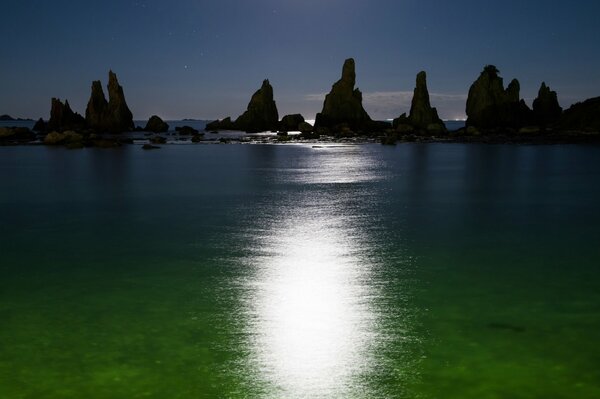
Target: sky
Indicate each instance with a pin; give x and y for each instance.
(204, 59)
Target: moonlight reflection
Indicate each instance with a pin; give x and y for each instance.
(311, 318)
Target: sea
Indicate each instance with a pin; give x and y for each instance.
(422, 270)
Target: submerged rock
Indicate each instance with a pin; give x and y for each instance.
(291, 122)
(63, 118)
(150, 147)
(343, 104)
(261, 114)
(489, 105)
(546, 109)
(113, 116)
(156, 125)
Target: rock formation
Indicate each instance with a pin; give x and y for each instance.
(343, 105)
(40, 125)
(583, 116)
(113, 116)
(489, 105)
(546, 109)
(222, 124)
(423, 117)
(63, 118)
(290, 122)
(156, 125)
(261, 114)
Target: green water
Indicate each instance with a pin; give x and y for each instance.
(249, 271)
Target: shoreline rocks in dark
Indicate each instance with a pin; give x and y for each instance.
(63, 118)
(156, 125)
(491, 106)
(260, 116)
(582, 116)
(291, 123)
(187, 131)
(113, 115)
(423, 118)
(343, 111)
(546, 109)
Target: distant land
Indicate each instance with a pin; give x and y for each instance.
(10, 118)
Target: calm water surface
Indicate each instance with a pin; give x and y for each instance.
(250, 271)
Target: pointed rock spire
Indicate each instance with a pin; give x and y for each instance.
(546, 109)
(261, 114)
(112, 116)
(422, 115)
(343, 104)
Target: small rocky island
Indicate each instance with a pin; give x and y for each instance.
(495, 115)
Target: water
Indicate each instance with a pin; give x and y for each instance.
(286, 271)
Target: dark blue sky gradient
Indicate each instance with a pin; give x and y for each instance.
(203, 59)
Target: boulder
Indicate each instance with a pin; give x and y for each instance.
(158, 140)
(546, 109)
(113, 116)
(196, 138)
(422, 115)
(305, 128)
(63, 118)
(223, 124)
(490, 106)
(261, 114)
(583, 116)
(150, 147)
(343, 104)
(186, 130)
(156, 125)
(40, 125)
(291, 122)
(54, 138)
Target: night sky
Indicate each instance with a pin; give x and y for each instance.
(204, 59)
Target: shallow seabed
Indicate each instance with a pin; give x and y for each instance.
(416, 271)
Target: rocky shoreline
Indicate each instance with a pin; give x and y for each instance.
(496, 115)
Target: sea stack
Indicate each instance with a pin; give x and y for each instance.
(156, 125)
(261, 114)
(113, 116)
(343, 105)
(546, 109)
(63, 118)
(422, 115)
(489, 105)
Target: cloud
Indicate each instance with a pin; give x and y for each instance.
(390, 104)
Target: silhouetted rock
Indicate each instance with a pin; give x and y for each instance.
(6, 118)
(187, 130)
(223, 124)
(546, 110)
(156, 125)
(343, 104)
(290, 122)
(196, 138)
(158, 140)
(15, 135)
(150, 147)
(63, 118)
(489, 105)
(113, 116)
(261, 114)
(584, 116)
(305, 128)
(40, 126)
(69, 137)
(422, 116)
